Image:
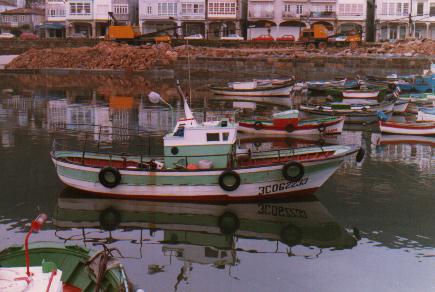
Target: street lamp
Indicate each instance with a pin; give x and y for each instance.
(155, 98)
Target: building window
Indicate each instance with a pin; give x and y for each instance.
(149, 10)
(405, 8)
(80, 8)
(328, 8)
(299, 9)
(120, 8)
(432, 9)
(167, 9)
(215, 8)
(420, 9)
(212, 137)
(287, 8)
(192, 8)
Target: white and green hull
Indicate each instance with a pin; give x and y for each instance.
(202, 185)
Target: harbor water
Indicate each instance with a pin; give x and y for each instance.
(370, 227)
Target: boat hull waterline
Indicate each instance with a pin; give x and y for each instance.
(256, 182)
(424, 129)
(275, 90)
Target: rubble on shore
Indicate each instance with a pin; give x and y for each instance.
(115, 56)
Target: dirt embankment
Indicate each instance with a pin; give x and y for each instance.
(116, 56)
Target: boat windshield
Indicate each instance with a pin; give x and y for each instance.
(180, 131)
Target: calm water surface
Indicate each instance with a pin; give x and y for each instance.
(369, 228)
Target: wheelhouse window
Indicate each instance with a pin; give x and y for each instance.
(212, 137)
(180, 131)
(225, 136)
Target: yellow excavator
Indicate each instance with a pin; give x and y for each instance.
(132, 34)
(318, 36)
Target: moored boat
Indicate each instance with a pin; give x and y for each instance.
(426, 115)
(354, 113)
(255, 88)
(53, 267)
(201, 163)
(289, 123)
(400, 106)
(361, 94)
(425, 129)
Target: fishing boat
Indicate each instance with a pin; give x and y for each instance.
(354, 113)
(361, 94)
(53, 267)
(255, 88)
(321, 85)
(412, 128)
(426, 114)
(400, 106)
(200, 162)
(289, 123)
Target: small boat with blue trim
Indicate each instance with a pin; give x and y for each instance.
(354, 113)
(201, 162)
(289, 123)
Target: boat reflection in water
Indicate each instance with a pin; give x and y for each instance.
(206, 234)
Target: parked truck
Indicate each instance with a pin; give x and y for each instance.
(318, 36)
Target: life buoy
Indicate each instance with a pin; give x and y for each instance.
(291, 234)
(174, 150)
(289, 128)
(293, 171)
(109, 177)
(321, 128)
(228, 223)
(360, 155)
(258, 125)
(109, 219)
(229, 180)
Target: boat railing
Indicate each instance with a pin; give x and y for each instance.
(141, 147)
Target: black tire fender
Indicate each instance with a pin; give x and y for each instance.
(289, 128)
(360, 155)
(258, 125)
(228, 223)
(109, 219)
(229, 173)
(103, 179)
(321, 128)
(292, 164)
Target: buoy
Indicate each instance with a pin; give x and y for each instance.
(110, 219)
(228, 223)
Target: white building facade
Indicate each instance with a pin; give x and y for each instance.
(284, 17)
(402, 19)
(351, 15)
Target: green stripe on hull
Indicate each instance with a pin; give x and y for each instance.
(138, 180)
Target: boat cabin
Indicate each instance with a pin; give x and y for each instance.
(206, 145)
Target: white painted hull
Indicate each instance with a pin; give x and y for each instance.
(260, 99)
(425, 117)
(308, 184)
(282, 91)
(332, 129)
(379, 139)
(407, 130)
(363, 95)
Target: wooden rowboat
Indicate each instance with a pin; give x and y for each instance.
(254, 88)
(361, 94)
(426, 129)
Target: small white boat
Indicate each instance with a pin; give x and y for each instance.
(391, 139)
(363, 94)
(255, 88)
(426, 115)
(425, 129)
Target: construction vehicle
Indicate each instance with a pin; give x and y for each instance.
(318, 36)
(132, 34)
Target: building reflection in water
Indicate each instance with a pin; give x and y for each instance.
(205, 234)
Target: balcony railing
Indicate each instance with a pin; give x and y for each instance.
(288, 14)
(261, 15)
(323, 14)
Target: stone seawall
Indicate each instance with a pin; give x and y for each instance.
(314, 67)
(17, 46)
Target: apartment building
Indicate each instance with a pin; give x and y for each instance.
(22, 19)
(282, 17)
(55, 17)
(397, 20)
